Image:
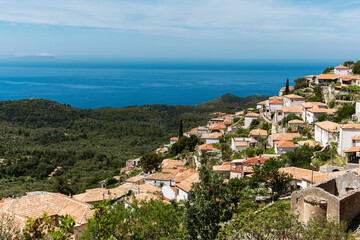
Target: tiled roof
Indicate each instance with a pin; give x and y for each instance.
(356, 137)
(296, 121)
(284, 144)
(252, 115)
(182, 176)
(148, 188)
(290, 88)
(289, 110)
(146, 197)
(284, 136)
(208, 147)
(188, 182)
(222, 168)
(328, 126)
(298, 173)
(174, 139)
(159, 176)
(313, 104)
(99, 194)
(294, 96)
(227, 122)
(310, 143)
(35, 203)
(214, 135)
(276, 97)
(217, 126)
(276, 101)
(171, 164)
(321, 110)
(255, 160)
(353, 149)
(258, 132)
(241, 144)
(351, 126)
(261, 103)
(328, 76)
(134, 179)
(341, 67)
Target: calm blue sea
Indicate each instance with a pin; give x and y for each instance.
(94, 84)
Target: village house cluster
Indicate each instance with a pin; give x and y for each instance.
(328, 192)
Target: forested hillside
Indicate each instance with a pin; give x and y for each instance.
(38, 136)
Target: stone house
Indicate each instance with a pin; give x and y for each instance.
(335, 199)
(258, 134)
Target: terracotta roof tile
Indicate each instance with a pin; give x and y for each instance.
(159, 176)
(351, 126)
(284, 136)
(35, 203)
(294, 96)
(276, 101)
(328, 126)
(289, 110)
(134, 179)
(296, 121)
(328, 76)
(310, 143)
(258, 132)
(174, 139)
(341, 67)
(284, 144)
(207, 147)
(214, 135)
(252, 115)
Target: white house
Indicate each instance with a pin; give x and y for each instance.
(206, 148)
(160, 180)
(183, 188)
(347, 132)
(327, 78)
(312, 114)
(326, 132)
(284, 146)
(257, 134)
(282, 90)
(293, 100)
(275, 104)
(342, 70)
(280, 113)
(261, 105)
(240, 144)
(173, 140)
(308, 105)
(357, 110)
(249, 118)
(213, 137)
(273, 138)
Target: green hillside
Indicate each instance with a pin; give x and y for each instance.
(37, 136)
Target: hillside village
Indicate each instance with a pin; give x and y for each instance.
(310, 128)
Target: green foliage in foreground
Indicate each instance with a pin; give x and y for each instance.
(143, 220)
(275, 222)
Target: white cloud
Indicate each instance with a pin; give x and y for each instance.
(225, 18)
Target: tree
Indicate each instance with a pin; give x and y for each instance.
(287, 90)
(356, 68)
(44, 228)
(301, 83)
(269, 175)
(62, 186)
(275, 222)
(153, 219)
(212, 202)
(289, 117)
(184, 143)
(300, 157)
(9, 228)
(327, 70)
(348, 63)
(181, 128)
(150, 161)
(254, 123)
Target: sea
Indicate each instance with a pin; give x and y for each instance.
(93, 84)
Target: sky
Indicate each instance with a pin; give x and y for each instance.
(216, 29)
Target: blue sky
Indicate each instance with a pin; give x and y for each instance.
(181, 28)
